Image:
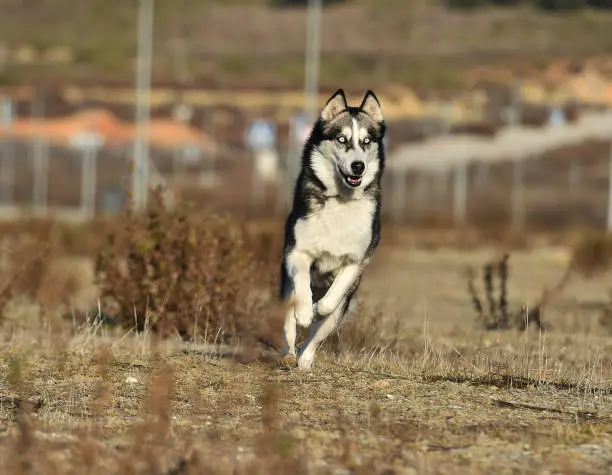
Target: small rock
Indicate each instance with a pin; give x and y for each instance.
(131, 380)
(298, 434)
(591, 449)
(353, 460)
(390, 397)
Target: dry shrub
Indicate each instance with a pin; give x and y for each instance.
(31, 259)
(591, 257)
(38, 266)
(592, 254)
(266, 239)
(26, 262)
(371, 331)
(605, 317)
(496, 314)
(178, 272)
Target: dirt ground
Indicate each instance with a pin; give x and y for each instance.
(432, 284)
(410, 386)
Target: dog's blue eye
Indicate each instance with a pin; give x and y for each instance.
(366, 141)
(341, 138)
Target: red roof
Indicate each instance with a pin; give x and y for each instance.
(163, 133)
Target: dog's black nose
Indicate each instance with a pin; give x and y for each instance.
(357, 167)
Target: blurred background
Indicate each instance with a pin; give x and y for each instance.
(498, 110)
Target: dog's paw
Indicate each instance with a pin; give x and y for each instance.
(288, 360)
(305, 362)
(322, 308)
(304, 315)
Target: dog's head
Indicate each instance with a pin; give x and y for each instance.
(348, 142)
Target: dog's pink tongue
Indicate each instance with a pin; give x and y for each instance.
(354, 181)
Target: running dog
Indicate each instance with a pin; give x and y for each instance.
(333, 228)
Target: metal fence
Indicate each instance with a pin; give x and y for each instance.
(520, 177)
(42, 179)
(556, 175)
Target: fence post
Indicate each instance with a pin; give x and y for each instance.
(518, 198)
(7, 173)
(141, 153)
(41, 170)
(482, 174)
(40, 156)
(460, 193)
(575, 172)
(88, 183)
(399, 194)
(440, 182)
(609, 223)
(207, 125)
(282, 195)
(420, 191)
(257, 184)
(514, 119)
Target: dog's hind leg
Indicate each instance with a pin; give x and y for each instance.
(287, 296)
(289, 336)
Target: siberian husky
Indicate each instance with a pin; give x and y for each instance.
(333, 228)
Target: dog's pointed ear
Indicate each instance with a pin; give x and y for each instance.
(334, 105)
(371, 106)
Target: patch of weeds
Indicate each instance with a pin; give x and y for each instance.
(177, 273)
(497, 315)
(592, 254)
(371, 332)
(605, 317)
(28, 261)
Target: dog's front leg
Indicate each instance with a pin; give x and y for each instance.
(343, 282)
(319, 332)
(298, 267)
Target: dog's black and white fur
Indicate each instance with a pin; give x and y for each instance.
(334, 226)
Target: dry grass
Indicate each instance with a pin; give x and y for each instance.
(409, 385)
(117, 406)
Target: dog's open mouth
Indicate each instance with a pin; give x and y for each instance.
(351, 180)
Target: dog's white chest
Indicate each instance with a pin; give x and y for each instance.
(340, 229)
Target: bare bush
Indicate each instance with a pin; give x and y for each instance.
(26, 262)
(182, 273)
(497, 314)
(605, 317)
(592, 254)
